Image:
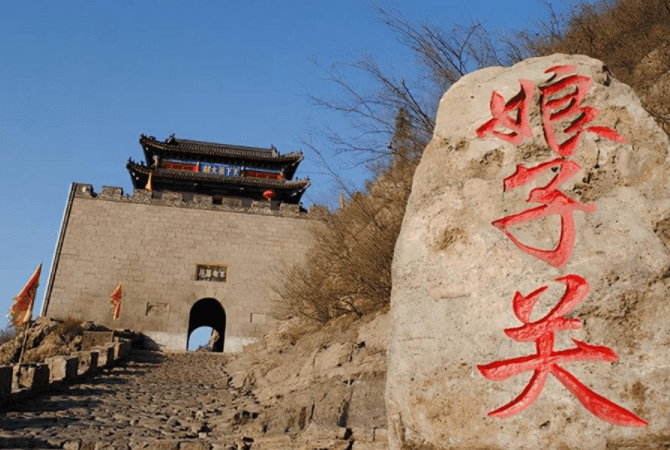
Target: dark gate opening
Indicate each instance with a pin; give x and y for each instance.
(208, 312)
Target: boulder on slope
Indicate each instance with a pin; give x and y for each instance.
(455, 274)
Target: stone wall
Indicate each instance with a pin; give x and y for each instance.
(153, 243)
(19, 382)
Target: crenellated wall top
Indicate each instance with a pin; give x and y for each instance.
(187, 200)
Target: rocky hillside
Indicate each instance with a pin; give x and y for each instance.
(327, 383)
(46, 338)
(49, 337)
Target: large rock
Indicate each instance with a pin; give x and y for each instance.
(455, 274)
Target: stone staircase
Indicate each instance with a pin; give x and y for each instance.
(161, 401)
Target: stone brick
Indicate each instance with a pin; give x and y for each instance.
(172, 198)
(6, 376)
(111, 192)
(92, 339)
(71, 366)
(121, 349)
(57, 367)
(88, 362)
(34, 377)
(40, 377)
(106, 355)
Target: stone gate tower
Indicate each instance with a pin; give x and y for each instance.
(197, 244)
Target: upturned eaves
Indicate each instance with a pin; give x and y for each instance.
(211, 149)
(263, 183)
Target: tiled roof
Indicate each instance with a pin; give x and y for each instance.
(288, 185)
(185, 146)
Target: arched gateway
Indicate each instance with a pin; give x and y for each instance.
(208, 312)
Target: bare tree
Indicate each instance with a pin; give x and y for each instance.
(348, 270)
(632, 37)
(441, 57)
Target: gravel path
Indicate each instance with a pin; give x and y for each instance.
(172, 401)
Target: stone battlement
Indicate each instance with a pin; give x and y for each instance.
(187, 200)
(19, 382)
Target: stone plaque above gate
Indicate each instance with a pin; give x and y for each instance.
(211, 272)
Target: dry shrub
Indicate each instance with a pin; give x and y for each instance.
(55, 337)
(7, 334)
(630, 36)
(69, 328)
(348, 269)
(46, 338)
(291, 331)
(10, 349)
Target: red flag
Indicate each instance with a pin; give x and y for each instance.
(116, 301)
(22, 309)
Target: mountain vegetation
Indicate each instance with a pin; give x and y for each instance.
(632, 38)
(348, 270)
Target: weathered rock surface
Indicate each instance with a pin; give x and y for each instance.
(455, 275)
(42, 343)
(49, 337)
(321, 384)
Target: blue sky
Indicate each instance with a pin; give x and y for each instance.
(80, 81)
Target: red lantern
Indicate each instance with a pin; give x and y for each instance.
(269, 194)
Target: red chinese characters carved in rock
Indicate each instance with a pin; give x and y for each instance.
(561, 99)
(562, 115)
(504, 115)
(546, 361)
(572, 89)
(553, 202)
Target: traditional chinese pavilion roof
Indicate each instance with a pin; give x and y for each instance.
(189, 150)
(217, 169)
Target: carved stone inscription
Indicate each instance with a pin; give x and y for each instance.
(561, 97)
(211, 272)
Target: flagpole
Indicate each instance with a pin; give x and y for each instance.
(25, 341)
(21, 311)
(23, 349)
